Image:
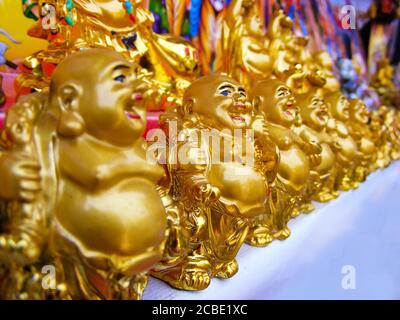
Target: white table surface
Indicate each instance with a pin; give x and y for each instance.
(361, 229)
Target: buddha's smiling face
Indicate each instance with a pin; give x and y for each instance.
(232, 107)
(359, 112)
(314, 111)
(275, 101)
(220, 102)
(112, 106)
(340, 107)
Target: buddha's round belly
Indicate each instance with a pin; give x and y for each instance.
(367, 146)
(327, 159)
(240, 185)
(294, 168)
(348, 147)
(126, 219)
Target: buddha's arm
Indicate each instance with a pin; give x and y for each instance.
(310, 146)
(193, 161)
(76, 163)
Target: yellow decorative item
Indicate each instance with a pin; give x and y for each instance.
(348, 155)
(77, 191)
(168, 63)
(275, 102)
(221, 190)
(313, 127)
(360, 130)
(244, 45)
(382, 82)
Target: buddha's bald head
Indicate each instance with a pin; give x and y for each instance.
(85, 66)
(203, 89)
(94, 90)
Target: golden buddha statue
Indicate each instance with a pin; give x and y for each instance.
(221, 189)
(360, 130)
(275, 101)
(79, 184)
(380, 138)
(293, 61)
(348, 155)
(313, 127)
(280, 32)
(168, 62)
(382, 82)
(244, 45)
(391, 119)
(325, 63)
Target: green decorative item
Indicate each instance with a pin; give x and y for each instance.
(70, 5)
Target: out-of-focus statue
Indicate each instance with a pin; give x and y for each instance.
(223, 186)
(168, 63)
(244, 51)
(276, 103)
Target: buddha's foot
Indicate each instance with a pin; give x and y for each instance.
(345, 184)
(326, 196)
(282, 234)
(259, 236)
(307, 207)
(228, 270)
(354, 185)
(195, 280)
(192, 274)
(295, 213)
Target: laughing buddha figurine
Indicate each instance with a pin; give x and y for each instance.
(348, 155)
(168, 62)
(222, 191)
(275, 101)
(244, 44)
(99, 216)
(313, 127)
(360, 130)
(380, 138)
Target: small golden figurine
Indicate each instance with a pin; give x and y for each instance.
(275, 101)
(382, 82)
(348, 155)
(360, 130)
(221, 190)
(244, 54)
(89, 204)
(293, 63)
(326, 63)
(313, 127)
(168, 62)
(380, 137)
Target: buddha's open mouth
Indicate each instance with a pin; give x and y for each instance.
(290, 109)
(322, 115)
(238, 112)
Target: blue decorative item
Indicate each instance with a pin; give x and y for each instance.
(128, 7)
(194, 17)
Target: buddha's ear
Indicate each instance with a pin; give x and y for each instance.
(188, 106)
(71, 123)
